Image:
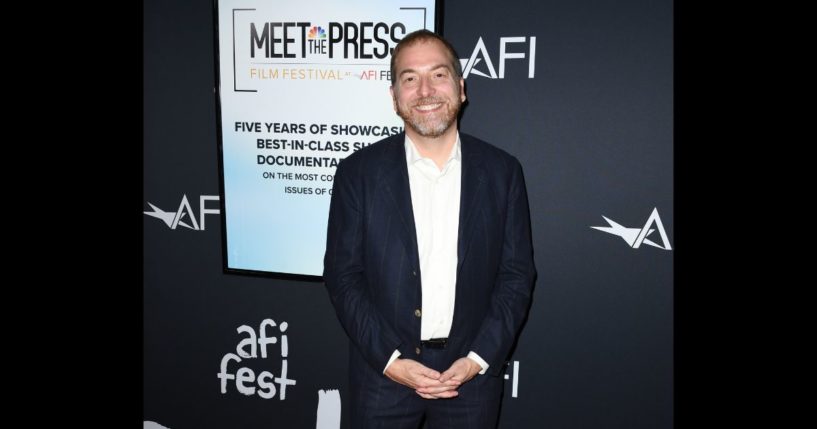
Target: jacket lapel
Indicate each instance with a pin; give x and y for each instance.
(395, 179)
(471, 196)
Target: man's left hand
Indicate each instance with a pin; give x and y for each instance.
(462, 370)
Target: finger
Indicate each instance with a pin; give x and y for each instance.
(454, 381)
(436, 389)
(420, 369)
(430, 373)
(441, 395)
(446, 395)
(425, 383)
(453, 372)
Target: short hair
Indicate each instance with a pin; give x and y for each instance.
(424, 35)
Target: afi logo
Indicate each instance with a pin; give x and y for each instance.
(480, 53)
(185, 216)
(635, 236)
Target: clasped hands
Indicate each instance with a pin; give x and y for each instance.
(431, 384)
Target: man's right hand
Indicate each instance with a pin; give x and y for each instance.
(417, 376)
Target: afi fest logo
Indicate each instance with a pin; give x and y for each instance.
(517, 44)
(637, 236)
(245, 380)
(184, 215)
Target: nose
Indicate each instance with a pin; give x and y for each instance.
(425, 88)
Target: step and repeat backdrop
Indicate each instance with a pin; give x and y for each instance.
(580, 91)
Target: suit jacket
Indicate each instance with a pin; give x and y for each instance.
(372, 269)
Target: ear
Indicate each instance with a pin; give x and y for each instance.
(462, 90)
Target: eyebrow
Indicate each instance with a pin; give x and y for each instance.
(445, 66)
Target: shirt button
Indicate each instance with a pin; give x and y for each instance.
(418, 313)
(417, 350)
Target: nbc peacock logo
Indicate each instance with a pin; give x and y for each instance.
(316, 32)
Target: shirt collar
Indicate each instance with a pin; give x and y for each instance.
(413, 155)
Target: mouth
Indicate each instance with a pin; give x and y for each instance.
(428, 107)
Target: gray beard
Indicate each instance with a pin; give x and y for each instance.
(433, 128)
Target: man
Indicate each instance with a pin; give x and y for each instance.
(429, 262)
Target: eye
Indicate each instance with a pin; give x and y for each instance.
(410, 81)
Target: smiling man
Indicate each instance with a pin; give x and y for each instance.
(429, 262)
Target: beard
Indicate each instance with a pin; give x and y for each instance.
(431, 125)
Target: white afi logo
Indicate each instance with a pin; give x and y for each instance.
(480, 53)
(180, 216)
(245, 378)
(635, 236)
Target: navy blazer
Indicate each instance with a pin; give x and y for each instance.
(372, 269)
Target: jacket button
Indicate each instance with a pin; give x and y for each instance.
(417, 350)
(414, 273)
(418, 313)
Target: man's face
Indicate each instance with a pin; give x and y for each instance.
(426, 93)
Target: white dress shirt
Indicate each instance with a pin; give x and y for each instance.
(435, 200)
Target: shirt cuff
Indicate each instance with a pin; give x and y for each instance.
(475, 357)
(391, 359)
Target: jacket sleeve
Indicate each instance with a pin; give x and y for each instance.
(344, 271)
(513, 286)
